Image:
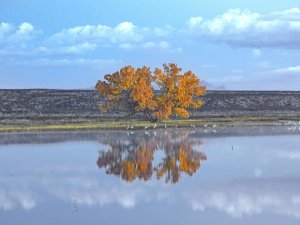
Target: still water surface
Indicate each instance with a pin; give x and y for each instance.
(225, 176)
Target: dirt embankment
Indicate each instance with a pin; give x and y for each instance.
(48, 106)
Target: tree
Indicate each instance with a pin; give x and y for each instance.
(177, 92)
(131, 89)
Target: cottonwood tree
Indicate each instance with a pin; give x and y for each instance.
(177, 92)
(132, 90)
(128, 89)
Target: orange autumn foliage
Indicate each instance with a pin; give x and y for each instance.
(131, 89)
(177, 92)
(128, 89)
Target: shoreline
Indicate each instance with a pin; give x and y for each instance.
(206, 123)
(27, 110)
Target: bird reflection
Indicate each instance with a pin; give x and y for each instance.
(163, 155)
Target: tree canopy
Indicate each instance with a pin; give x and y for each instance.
(132, 90)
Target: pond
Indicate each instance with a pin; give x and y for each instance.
(181, 176)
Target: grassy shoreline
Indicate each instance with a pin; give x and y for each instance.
(124, 125)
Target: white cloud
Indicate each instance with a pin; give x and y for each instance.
(161, 44)
(125, 35)
(20, 40)
(5, 29)
(256, 52)
(126, 46)
(148, 44)
(25, 28)
(235, 77)
(125, 27)
(99, 63)
(164, 44)
(292, 14)
(286, 78)
(125, 32)
(194, 21)
(164, 31)
(244, 28)
(12, 37)
(263, 65)
(67, 49)
(287, 70)
(78, 48)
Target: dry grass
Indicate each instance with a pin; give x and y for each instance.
(132, 124)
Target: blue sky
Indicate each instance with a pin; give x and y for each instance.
(71, 44)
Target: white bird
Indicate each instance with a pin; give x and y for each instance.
(215, 125)
(165, 126)
(146, 127)
(154, 126)
(127, 127)
(205, 125)
(193, 126)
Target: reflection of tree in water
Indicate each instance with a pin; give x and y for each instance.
(132, 157)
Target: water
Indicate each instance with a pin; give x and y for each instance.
(223, 176)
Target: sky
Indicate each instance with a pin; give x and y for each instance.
(242, 45)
